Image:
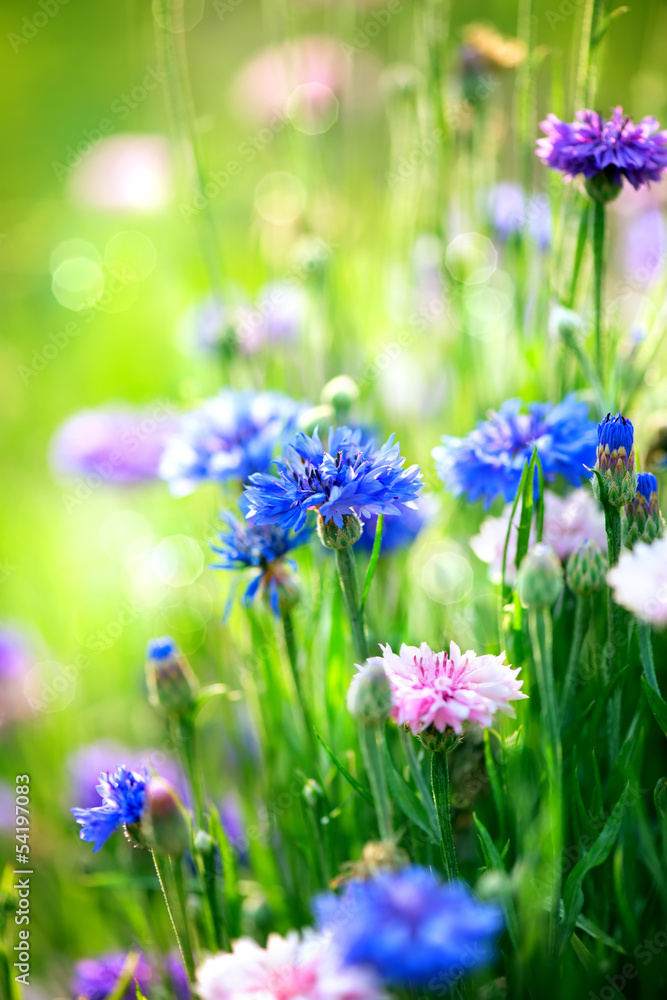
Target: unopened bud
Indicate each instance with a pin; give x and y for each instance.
(369, 698)
(614, 479)
(316, 416)
(438, 742)
(163, 823)
(587, 569)
(341, 392)
(603, 186)
(540, 577)
(643, 520)
(339, 538)
(172, 686)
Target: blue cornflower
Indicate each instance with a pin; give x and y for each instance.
(350, 477)
(123, 794)
(97, 978)
(246, 545)
(231, 436)
(605, 151)
(397, 532)
(615, 479)
(488, 463)
(410, 927)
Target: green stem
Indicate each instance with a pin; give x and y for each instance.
(541, 637)
(612, 523)
(646, 654)
(371, 739)
(347, 573)
(582, 617)
(440, 789)
(293, 657)
(165, 874)
(582, 233)
(190, 757)
(598, 268)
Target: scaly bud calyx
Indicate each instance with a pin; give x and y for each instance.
(339, 538)
(587, 569)
(439, 742)
(643, 520)
(369, 698)
(172, 686)
(614, 479)
(540, 577)
(163, 823)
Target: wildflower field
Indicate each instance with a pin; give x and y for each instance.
(332, 566)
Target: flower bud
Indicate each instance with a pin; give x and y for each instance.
(438, 742)
(172, 686)
(603, 187)
(540, 577)
(203, 842)
(643, 520)
(587, 569)
(341, 392)
(339, 538)
(281, 588)
(163, 823)
(316, 416)
(369, 698)
(614, 479)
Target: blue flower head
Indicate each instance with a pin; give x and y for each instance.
(643, 520)
(161, 649)
(123, 794)
(489, 462)
(410, 927)
(247, 545)
(349, 477)
(615, 480)
(230, 437)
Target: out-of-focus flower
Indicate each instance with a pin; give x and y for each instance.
(410, 927)
(485, 48)
(349, 477)
(177, 976)
(540, 577)
(7, 808)
(398, 532)
(96, 978)
(615, 479)
(120, 445)
(164, 826)
(489, 462)
(123, 794)
(313, 66)
(639, 581)
(172, 685)
(17, 657)
(644, 248)
(369, 697)
(568, 521)
(605, 151)
(511, 213)
(643, 520)
(232, 823)
(245, 545)
(587, 569)
(87, 762)
(207, 326)
(277, 317)
(131, 173)
(443, 690)
(231, 436)
(291, 968)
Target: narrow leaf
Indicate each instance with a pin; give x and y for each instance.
(344, 771)
(408, 802)
(586, 925)
(372, 562)
(657, 705)
(495, 862)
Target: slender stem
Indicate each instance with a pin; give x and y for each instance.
(371, 739)
(582, 233)
(177, 868)
(612, 523)
(646, 654)
(167, 882)
(440, 789)
(347, 573)
(598, 267)
(293, 657)
(541, 637)
(190, 757)
(582, 617)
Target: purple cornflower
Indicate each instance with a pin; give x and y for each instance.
(605, 151)
(489, 462)
(245, 545)
(231, 436)
(120, 445)
(349, 477)
(96, 978)
(177, 976)
(410, 927)
(123, 794)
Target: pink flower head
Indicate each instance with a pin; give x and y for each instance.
(639, 581)
(446, 689)
(291, 968)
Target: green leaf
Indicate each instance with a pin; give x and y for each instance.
(657, 705)
(408, 802)
(495, 862)
(519, 493)
(573, 897)
(523, 538)
(140, 995)
(586, 925)
(372, 562)
(539, 513)
(494, 781)
(346, 774)
(605, 24)
(125, 977)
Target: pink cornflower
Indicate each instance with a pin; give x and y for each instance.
(639, 581)
(291, 968)
(444, 690)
